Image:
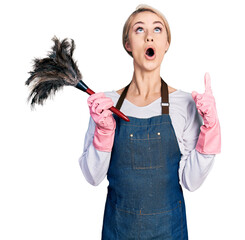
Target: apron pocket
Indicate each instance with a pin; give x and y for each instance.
(163, 224)
(147, 151)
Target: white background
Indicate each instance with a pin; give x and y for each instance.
(43, 194)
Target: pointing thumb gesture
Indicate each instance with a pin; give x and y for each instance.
(209, 141)
(207, 82)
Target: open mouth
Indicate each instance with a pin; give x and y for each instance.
(150, 52)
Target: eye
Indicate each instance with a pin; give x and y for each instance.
(157, 30)
(139, 30)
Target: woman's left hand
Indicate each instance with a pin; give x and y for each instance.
(205, 103)
(209, 141)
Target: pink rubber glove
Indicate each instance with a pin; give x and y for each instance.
(104, 132)
(209, 140)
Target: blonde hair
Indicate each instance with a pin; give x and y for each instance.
(143, 8)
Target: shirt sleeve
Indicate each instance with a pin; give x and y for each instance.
(94, 163)
(194, 166)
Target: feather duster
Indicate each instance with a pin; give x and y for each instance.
(55, 71)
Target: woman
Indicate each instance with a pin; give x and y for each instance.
(149, 159)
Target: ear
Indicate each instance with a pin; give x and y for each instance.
(128, 47)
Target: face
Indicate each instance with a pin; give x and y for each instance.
(147, 40)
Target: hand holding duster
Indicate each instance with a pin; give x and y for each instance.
(209, 140)
(105, 123)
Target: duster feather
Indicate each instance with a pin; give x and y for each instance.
(53, 72)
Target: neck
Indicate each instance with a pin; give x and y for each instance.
(145, 83)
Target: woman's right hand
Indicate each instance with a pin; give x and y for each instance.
(104, 133)
(99, 106)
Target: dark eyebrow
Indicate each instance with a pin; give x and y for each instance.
(153, 22)
(138, 22)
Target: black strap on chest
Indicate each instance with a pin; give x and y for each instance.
(164, 92)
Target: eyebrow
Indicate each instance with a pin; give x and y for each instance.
(144, 23)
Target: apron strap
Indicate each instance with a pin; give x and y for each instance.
(165, 101)
(164, 92)
(122, 96)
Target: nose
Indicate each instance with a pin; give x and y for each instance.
(149, 39)
(148, 36)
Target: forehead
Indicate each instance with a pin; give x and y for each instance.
(146, 17)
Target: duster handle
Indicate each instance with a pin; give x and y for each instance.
(82, 86)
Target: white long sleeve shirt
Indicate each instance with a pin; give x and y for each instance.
(193, 167)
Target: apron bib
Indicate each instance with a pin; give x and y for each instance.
(145, 199)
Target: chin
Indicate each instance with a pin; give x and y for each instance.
(151, 66)
(148, 66)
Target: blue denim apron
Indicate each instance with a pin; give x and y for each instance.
(145, 199)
